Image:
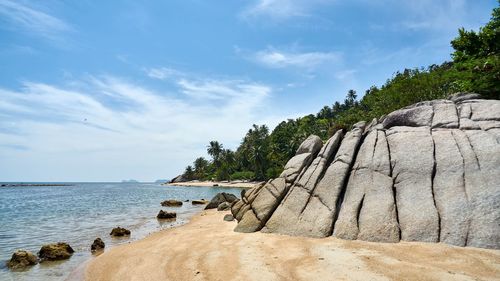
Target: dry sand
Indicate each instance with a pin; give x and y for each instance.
(212, 183)
(208, 249)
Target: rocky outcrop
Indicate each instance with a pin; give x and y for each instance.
(428, 172)
(21, 259)
(221, 198)
(179, 178)
(119, 231)
(97, 245)
(56, 251)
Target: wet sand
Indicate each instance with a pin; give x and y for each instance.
(207, 249)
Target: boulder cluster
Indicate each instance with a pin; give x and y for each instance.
(429, 172)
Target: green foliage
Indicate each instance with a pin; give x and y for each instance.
(243, 175)
(262, 155)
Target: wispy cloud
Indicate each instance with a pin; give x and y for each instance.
(162, 73)
(111, 124)
(282, 9)
(275, 58)
(24, 16)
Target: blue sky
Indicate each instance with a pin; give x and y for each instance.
(112, 90)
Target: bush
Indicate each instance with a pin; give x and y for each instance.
(243, 175)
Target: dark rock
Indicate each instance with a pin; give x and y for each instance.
(22, 259)
(171, 203)
(215, 184)
(199, 202)
(224, 206)
(57, 251)
(179, 178)
(220, 198)
(120, 231)
(97, 245)
(228, 217)
(166, 215)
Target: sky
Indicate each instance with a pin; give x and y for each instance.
(114, 90)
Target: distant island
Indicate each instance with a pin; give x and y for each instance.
(130, 181)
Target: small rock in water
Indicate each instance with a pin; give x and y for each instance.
(171, 203)
(199, 202)
(224, 206)
(21, 259)
(228, 217)
(166, 215)
(97, 245)
(56, 251)
(119, 231)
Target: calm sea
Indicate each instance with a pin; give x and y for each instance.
(31, 216)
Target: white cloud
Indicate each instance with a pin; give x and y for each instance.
(309, 60)
(32, 20)
(282, 9)
(162, 73)
(112, 129)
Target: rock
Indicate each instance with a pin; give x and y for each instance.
(459, 97)
(220, 198)
(119, 231)
(171, 203)
(228, 217)
(311, 145)
(166, 215)
(412, 161)
(179, 178)
(97, 245)
(215, 184)
(57, 251)
(224, 206)
(21, 259)
(427, 172)
(199, 202)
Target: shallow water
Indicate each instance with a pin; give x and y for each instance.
(31, 216)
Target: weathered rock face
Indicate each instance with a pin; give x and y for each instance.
(57, 251)
(21, 259)
(429, 172)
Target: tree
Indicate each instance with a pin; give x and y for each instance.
(214, 149)
(200, 168)
(189, 173)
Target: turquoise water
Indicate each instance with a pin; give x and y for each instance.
(34, 215)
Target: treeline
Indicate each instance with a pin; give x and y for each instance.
(262, 155)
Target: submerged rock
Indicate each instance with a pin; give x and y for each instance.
(97, 245)
(199, 202)
(119, 231)
(171, 203)
(21, 259)
(166, 215)
(221, 198)
(56, 251)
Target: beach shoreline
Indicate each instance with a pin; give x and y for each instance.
(207, 248)
(236, 184)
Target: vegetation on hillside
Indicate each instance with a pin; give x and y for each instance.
(262, 155)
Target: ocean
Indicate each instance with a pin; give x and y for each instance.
(31, 216)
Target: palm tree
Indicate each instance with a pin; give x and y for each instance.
(214, 149)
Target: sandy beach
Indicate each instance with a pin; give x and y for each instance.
(216, 183)
(207, 249)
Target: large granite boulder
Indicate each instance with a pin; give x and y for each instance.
(22, 259)
(56, 251)
(428, 172)
(221, 198)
